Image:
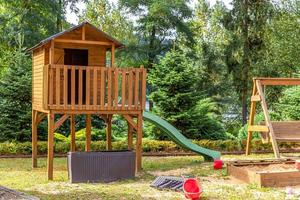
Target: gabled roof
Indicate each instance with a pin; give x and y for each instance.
(45, 41)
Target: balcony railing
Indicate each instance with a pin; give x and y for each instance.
(95, 88)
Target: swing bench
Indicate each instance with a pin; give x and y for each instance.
(271, 131)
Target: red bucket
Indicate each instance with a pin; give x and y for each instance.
(192, 189)
(218, 164)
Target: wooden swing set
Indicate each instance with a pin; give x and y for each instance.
(271, 131)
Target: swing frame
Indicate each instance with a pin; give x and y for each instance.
(258, 96)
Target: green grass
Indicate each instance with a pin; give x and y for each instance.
(17, 174)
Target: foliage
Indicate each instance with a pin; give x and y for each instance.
(15, 96)
(178, 99)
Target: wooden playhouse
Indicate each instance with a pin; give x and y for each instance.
(74, 73)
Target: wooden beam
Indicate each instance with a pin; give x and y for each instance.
(112, 55)
(251, 119)
(72, 128)
(278, 81)
(257, 128)
(129, 136)
(88, 133)
(267, 119)
(50, 145)
(139, 137)
(40, 117)
(130, 121)
(60, 121)
(34, 139)
(51, 52)
(83, 32)
(84, 42)
(108, 133)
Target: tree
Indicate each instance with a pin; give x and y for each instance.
(247, 21)
(158, 25)
(178, 99)
(15, 96)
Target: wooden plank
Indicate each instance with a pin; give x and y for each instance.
(130, 89)
(65, 88)
(278, 81)
(123, 89)
(116, 92)
(84, 42)
(72, 129)
(57, 84)
(80, 88)
(95, 89)
(258, 128)
(88, 133)
(109, 88)
(255, 98)
(59, 122)
(267, 119)
(136, 89)
(102, 89)
(139, 136)
(34, 138)
(88, 89)
(73, 87)
(50, 146)
(51, 87)
(143, 95)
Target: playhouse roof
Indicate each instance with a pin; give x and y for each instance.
(100, 32)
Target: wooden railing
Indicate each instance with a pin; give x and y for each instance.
(95, 88)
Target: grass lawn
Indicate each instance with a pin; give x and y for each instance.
(17, 174)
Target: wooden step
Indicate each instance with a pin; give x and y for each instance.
(256, 98)
(258, 128)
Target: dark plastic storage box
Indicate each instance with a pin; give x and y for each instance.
(103, 166)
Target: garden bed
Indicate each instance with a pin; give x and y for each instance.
(265, 173)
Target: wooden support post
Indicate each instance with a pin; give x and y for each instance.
(72, 129)
(50, 145)
(112, 55)
(267, 119)
(34, 138)
(251, 119)
(129, 136)
(88, 133)
(108, 132)
(139, 136)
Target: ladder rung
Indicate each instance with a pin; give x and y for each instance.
(258, 128)
(256, 98)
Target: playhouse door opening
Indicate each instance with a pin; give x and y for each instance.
(76, 57)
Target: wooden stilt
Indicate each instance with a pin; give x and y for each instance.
(129, 136)
(34, 138)
(50, 145)
(108, 133)
(88, 133)
(251, 118)
(72, 129)
(139, 136)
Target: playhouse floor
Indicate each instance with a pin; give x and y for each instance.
(16, 173)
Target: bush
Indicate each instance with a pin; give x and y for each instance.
(154, 146)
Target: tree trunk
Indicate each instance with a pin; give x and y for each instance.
(246, 61)
(151, 57)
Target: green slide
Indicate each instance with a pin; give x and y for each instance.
(178, 138)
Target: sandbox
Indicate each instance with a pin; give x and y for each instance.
(265, 173)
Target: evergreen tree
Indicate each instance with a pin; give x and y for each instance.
(15, 96)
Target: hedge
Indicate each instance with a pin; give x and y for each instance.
(15, 148)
